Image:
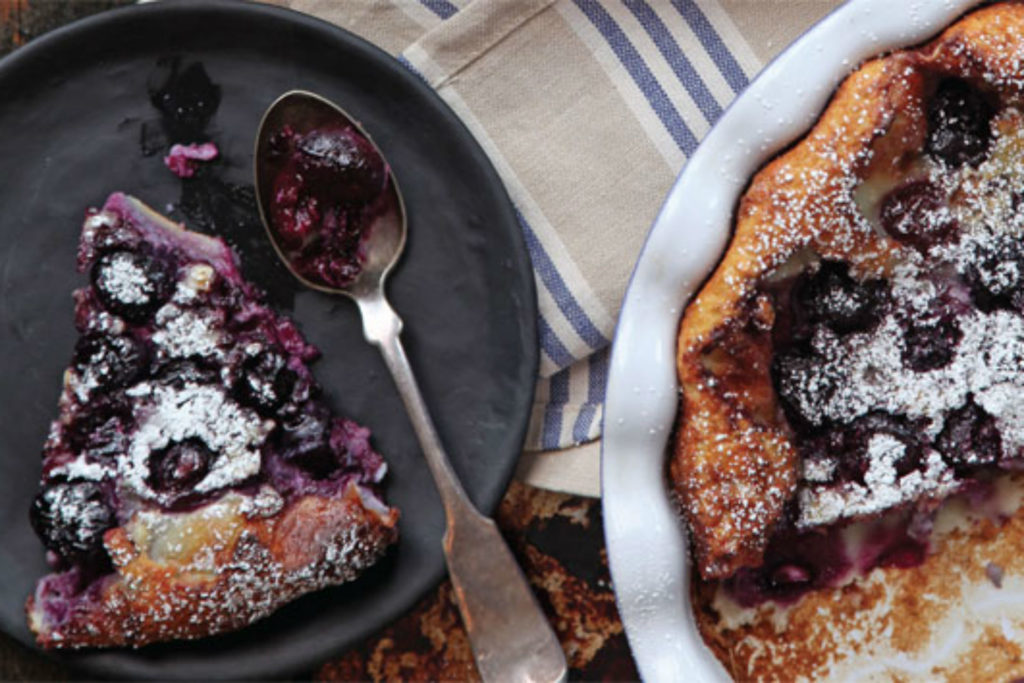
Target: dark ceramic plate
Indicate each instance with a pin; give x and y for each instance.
(78, 121)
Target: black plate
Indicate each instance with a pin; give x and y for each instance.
(75, 120)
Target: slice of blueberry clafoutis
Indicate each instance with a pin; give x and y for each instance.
(195, 479)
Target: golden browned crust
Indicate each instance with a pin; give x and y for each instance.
(190, 575)
(956, 617)
(734, 463)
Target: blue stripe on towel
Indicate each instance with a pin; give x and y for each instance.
(581, 428)
(640, 73)
(598, 375)
(669, 49)
(596, 380)
(558, 396)
(711, 41)
(552, 345)
(408, 65)
(564, 298)
(441, 8)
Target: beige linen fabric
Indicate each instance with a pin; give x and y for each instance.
(588, 112)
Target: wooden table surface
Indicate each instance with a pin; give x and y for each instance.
(558, 539)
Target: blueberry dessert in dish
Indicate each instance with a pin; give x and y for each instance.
(195, 479)
(330, 183)
(850, 439)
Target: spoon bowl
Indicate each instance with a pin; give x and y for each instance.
(510, 637)
(303, 112)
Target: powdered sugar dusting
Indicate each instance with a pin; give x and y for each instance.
(883, 488)
(80, 469)
(183, 332)
(848, 376)
(167, 414)
(125, 280)
(266, 503)
(864, 372)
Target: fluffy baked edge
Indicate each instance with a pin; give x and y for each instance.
(229, 570)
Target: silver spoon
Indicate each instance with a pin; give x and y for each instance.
(509, 634)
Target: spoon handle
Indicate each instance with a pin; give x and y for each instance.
(509, 634)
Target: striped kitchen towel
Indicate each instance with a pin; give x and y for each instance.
(588, 109)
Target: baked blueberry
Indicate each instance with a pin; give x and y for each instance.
(264, 382)
(341, 163)
(131, 284)
(930, 345)
(907, 432)
(959, 123)
(830, 296)
(305, 439)
(71, 518)
(970, 438)
(110, 360)
(996, 275)
(180, 466)
(916, 213)
(101, 434)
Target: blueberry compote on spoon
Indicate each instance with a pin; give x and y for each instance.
(903, 388)
(329, 186)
